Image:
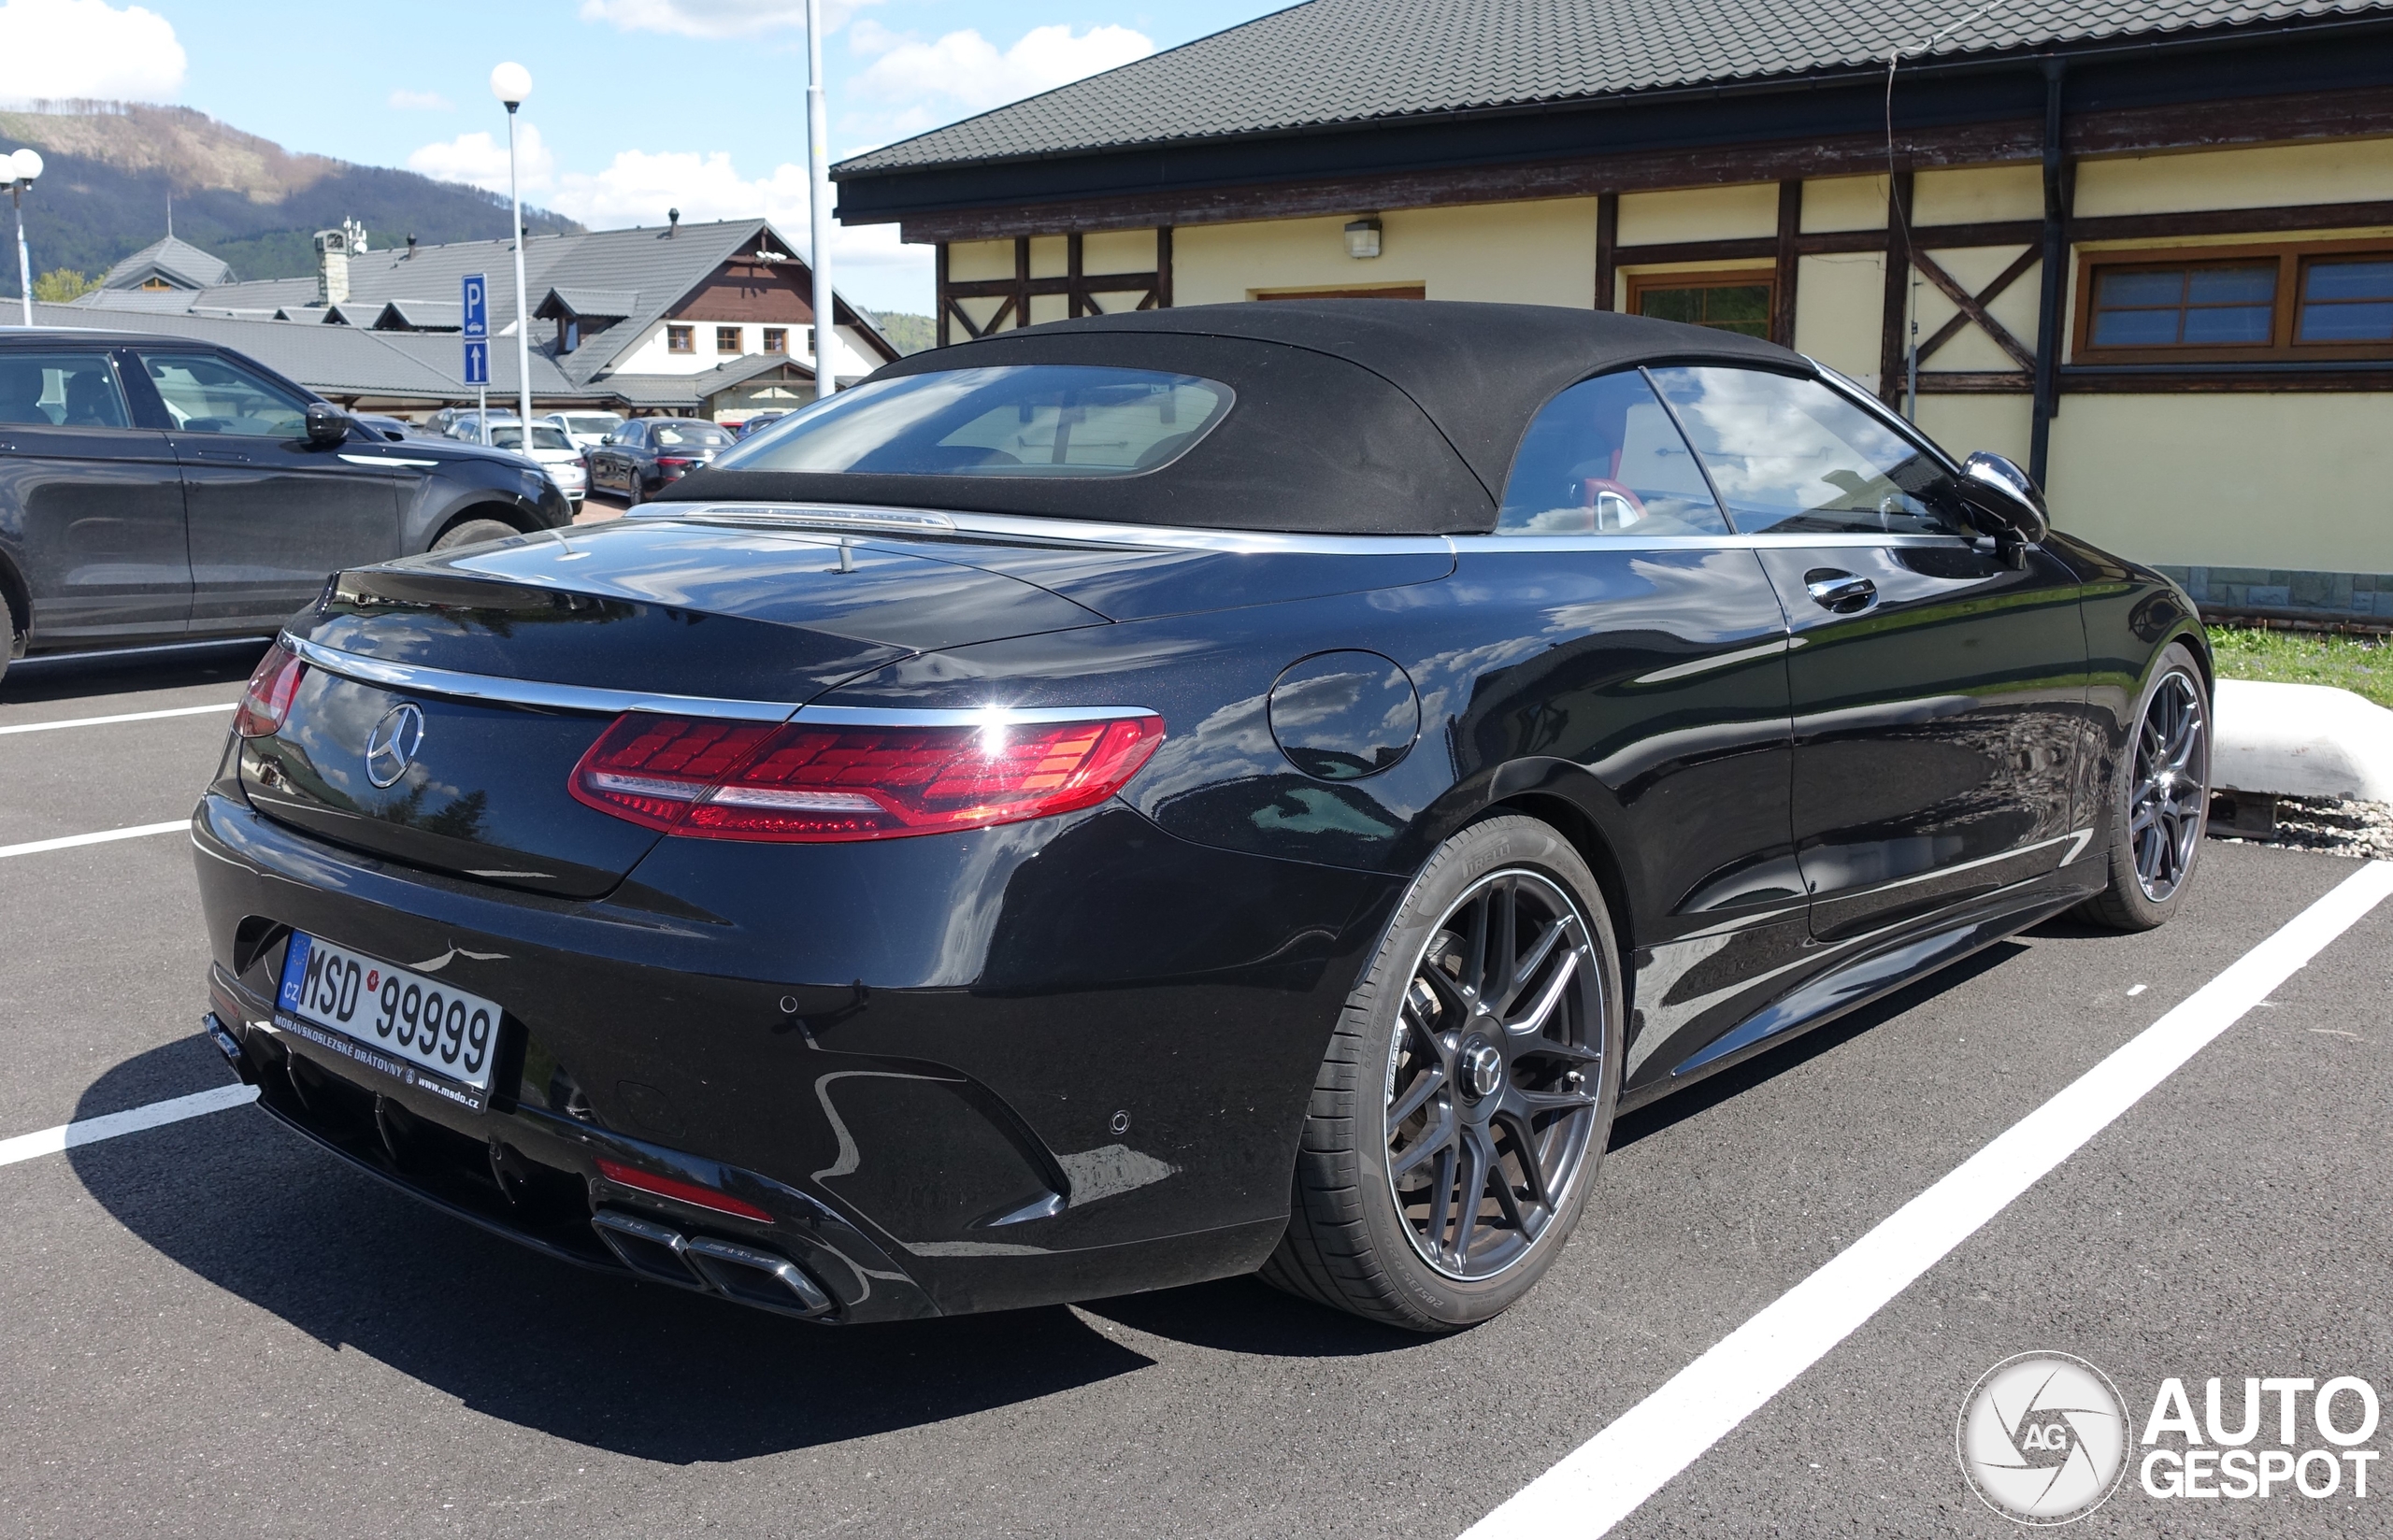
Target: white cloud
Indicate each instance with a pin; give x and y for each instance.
(639, 186)
(421, 101)
(63, 48)
(965, 68)
(716, 18)
(480, 159)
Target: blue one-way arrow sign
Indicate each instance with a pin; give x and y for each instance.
(476, 304)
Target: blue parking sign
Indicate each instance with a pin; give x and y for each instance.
(476, 297)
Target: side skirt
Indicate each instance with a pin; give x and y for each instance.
(1874, 972)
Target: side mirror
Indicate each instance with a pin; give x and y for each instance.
(2004, 501)
(327, 425)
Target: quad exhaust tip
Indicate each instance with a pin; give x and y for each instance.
(743, 1272)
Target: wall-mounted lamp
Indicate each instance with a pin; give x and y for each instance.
(1363, 238)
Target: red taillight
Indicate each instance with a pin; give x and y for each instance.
(267, 700)
(803, 783)
(677, 461)
(688, 1192)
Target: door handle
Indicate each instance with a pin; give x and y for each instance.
(1839, 593)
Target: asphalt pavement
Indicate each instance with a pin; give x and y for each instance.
(210, 1329)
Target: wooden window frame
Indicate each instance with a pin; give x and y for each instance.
(738, 339)
(681, 339)
(1765, 278)
(1369, 290)
(2293, 259)
(776, 340)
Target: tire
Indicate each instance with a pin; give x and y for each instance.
(632, 498)
(2163, 778)
(1366, 1230)
(10, 629)
(474, 531)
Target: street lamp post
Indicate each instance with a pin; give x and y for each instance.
(818, 198)
(510, 83)
(23, 166)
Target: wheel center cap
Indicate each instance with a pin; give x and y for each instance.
(1482, 1068)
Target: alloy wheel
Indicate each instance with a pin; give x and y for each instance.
(2171, 785)
(1494, 1072)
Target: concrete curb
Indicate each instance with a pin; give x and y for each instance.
(2301, 740)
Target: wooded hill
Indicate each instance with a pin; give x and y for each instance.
(110, 167)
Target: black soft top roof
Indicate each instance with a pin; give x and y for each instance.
(1352, 416)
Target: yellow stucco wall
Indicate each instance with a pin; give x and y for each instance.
(1844, 202)
(971, 261)
(2346, 171)
(1530, 253)
(2303, 482)
(1699, 213)
(1976, 193)
(1837, 307)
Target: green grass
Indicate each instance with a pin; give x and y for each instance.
(2361, 664)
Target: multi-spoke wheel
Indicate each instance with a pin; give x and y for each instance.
(1467, 1096)
(1491, 1082)
(2163, 798)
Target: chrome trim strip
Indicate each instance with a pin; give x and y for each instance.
(384, 460)
(421, 679)
(427, 681)
(987, 716)
(1490, 543)
(901, 521)
(831, 517)
(1724, 660)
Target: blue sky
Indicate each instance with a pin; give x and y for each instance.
(698, 104)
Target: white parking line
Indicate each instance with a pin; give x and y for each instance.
(68, 842)
(1606, 1478)
(50, 1141)
(129, 716)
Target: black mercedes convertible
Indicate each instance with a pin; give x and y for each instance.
(1169, 795)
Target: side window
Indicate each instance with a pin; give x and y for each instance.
(204, 393)
(1602, 457)
(60, 391)
(1792, 457)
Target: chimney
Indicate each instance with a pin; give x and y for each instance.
(411, 256)
(331, 266)
(672, 222)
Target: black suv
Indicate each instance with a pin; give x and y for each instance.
(161, 489)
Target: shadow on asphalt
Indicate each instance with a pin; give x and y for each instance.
(638, 1369)
(1248, 1316)
(1707, 1095)
(96, 677)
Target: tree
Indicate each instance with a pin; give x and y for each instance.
(61, 284)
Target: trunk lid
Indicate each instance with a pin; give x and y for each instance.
(644, 610)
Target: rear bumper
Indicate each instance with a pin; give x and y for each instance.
(1095, 1088)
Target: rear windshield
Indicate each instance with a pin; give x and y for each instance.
(595, 423)
(543, 437)
(689, 435)
(1019, 419)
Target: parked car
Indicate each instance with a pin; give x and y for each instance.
(1158, 796)
(551, 450)
(436, 426)
(759, 419)
(649, 453)
(158, 489)
(467, 426)
(585, 429)
(397, 430)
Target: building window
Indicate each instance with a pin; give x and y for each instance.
(730, 339)
(777, 340)
(2347, 299)
(1726, 301)
(1394, 291)
(156, 286)
(2205, 305)
(681, 339)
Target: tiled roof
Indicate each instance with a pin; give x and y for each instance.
(582, 301)
(178, 261)
(1333, 62)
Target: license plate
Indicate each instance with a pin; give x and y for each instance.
(414, 1027)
